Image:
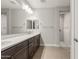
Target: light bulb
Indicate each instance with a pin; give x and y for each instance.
(27, 8)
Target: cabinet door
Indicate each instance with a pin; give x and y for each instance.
(34, 45)
(37, 41)
(22, 54)
(31, 50)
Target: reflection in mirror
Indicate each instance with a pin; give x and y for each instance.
(35, 24)
(13, 18)
(29, 24)
(13, 21)
(32, 24)
(4, 23)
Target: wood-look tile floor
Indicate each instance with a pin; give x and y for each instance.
(52, 53)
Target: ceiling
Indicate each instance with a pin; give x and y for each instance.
(8, 4)
(37, 3)
(49, 3)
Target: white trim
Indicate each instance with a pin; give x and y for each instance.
(72, 28)
(54, 45)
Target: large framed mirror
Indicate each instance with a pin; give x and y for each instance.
(15, 19)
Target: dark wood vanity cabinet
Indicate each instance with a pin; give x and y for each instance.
(37, 41)
(23, 50)
(31, 47)
(18, 51)
(34, 44)
(22, 54)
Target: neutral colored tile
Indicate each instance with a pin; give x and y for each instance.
(52, 53)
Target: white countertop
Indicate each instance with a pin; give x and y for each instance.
(8, 42)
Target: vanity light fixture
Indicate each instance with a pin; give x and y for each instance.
(24, 6)
(14, 2)
(27, 8)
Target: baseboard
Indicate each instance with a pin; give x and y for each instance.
(63, 44)
(54, 45)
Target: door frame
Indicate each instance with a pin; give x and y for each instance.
(73, 3)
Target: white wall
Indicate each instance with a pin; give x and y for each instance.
(49, 26)
(49, 20)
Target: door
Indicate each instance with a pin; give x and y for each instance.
(64, 31)
(61, 29)
(67, 27)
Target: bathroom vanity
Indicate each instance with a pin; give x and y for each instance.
(23, 50)
(18, 38)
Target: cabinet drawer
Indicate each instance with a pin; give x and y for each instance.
(37, 37)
